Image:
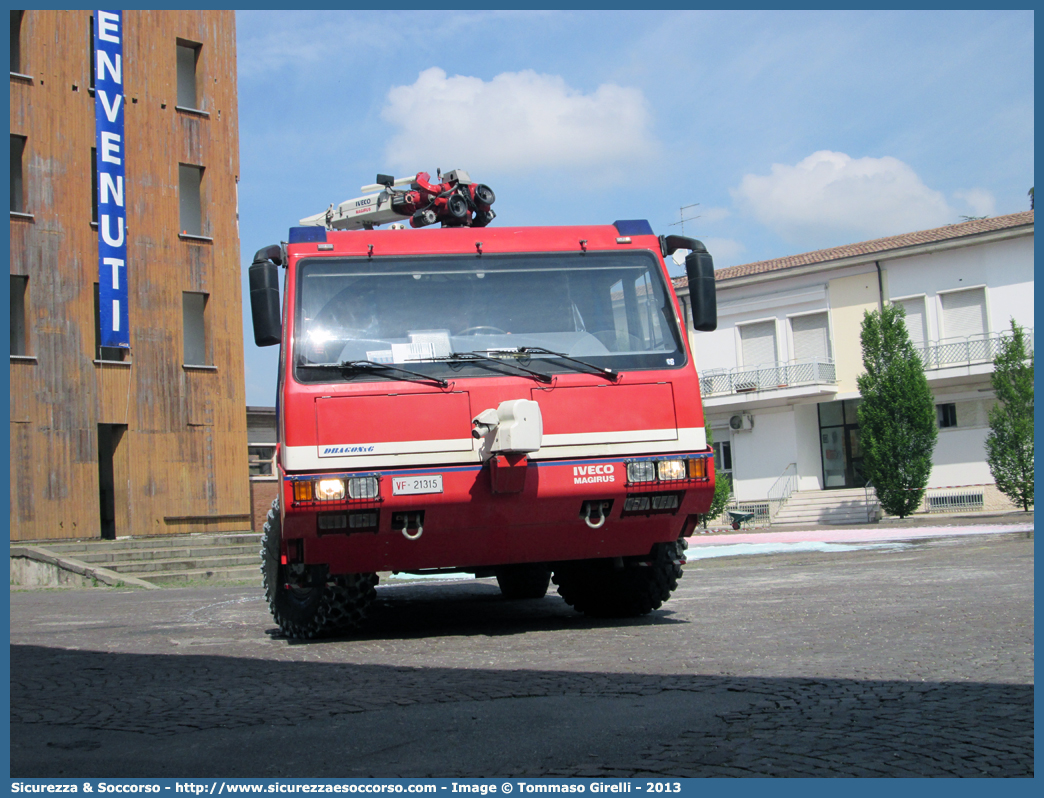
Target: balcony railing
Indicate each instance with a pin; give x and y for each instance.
(771, 377)
(966, 351)
(941, 354)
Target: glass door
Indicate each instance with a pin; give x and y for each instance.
(839, 444)
(832, 439)
(855, 459)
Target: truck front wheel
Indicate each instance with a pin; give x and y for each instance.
(319, 606)
(603, 589)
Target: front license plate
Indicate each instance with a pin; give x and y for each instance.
(409, 486)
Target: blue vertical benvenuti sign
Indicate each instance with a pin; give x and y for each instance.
(111, 149)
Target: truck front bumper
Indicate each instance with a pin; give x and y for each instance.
(508, 510)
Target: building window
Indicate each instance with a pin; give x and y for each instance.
(723, 459)
(964, 313)
(117, 353)
(17, 188)
(194, 307)
(90, 51)
(188, 62)
(261, 459)
(946, 415)
(722, 455)
(16, 42)
(916, 321)
(190, 181)
(811, 334)
(19, 297)
(758, 343)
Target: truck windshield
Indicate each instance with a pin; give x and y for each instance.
(612, 310)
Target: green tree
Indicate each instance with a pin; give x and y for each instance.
(1009, 444)
(897, 429)
(722, 486)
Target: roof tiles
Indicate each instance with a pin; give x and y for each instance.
(876, 246)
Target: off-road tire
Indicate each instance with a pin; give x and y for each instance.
(600, 589)
(525, 581)
(337, 604)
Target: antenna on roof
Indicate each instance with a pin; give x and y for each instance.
(681, 217)
(679, 259)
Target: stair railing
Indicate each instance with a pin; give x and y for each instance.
(782, 489)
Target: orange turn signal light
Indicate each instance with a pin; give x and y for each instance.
(698, 468)
(303, 491)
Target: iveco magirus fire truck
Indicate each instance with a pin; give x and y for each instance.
(517, 402)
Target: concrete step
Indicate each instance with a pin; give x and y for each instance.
(861, 517)
(167, 566)
(246, 574)
(114, 557)
(178, 559)
(829, 496)
(825, 507)
(135, 544)
(821, 507)
(826, 503)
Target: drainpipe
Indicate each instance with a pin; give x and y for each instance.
(880, 287)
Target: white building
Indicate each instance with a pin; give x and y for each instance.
(778, 376)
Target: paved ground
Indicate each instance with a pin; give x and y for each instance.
(912, 660)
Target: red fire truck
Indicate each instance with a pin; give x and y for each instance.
(511, 402)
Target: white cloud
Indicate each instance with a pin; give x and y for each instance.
(324, 45)
(830, 198)
(725, 251)
(712, 215)
(282, 45)
(979, 201)
(516, 122)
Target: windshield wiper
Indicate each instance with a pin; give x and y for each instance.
(370, 365)
(539, 350)
(479, 357)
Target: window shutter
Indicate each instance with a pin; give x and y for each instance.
(759, 343)
(915, 321)
(964, 313)
(811, 336)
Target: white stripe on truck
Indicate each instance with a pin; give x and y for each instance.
(356, 456)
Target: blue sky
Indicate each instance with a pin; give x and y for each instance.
(792, 130)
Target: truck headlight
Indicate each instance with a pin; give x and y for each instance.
(671, 469)
(362, 487)
(642, 471)
(329, 489)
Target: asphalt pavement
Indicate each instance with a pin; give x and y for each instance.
(914, 658)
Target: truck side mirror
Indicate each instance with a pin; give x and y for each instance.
(264, 297)
(699, 267)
